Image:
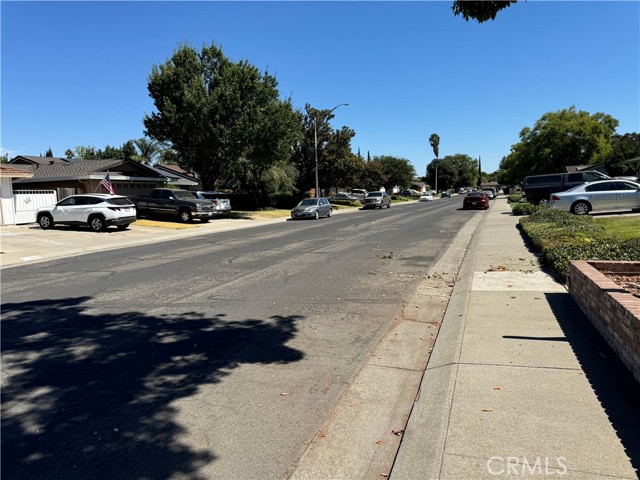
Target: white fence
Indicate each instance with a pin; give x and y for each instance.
(28, 201)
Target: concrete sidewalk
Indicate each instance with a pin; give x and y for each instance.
(519, 383)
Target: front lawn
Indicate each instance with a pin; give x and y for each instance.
(625, 228)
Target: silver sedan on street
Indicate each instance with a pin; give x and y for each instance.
(601, 195)
(312, 208)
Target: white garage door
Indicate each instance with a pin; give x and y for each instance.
(28, 201)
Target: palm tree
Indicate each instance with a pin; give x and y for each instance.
(149, 150)
(434, 141)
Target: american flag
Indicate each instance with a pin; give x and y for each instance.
(106, 183)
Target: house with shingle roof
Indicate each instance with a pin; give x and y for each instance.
(179, 177)
(29, 160)
(72, 176)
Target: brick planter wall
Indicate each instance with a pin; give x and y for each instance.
(613, 311)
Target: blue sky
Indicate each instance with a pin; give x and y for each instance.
(75, 73)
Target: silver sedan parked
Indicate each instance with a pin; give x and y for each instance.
(312, 208)
(601, 195)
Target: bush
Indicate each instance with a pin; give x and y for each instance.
(346, 203)
(562, 237)
(524, 208)
(514, 197)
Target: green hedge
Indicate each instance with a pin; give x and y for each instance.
(346, 203)
(561, 237)
(524, 208)
(514, 197)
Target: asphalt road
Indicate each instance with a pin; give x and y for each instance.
(215, 356)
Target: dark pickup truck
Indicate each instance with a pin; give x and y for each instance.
(175, 203)
(537, 188)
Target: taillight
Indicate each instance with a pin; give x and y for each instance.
(214, 201)
(555, 197)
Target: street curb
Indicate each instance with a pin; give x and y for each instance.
(421, 455)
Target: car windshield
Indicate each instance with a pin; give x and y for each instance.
(308, 202)
(476, 194)
(375, 194)
(183, 194)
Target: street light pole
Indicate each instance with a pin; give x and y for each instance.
(315, 142)
(436, 176)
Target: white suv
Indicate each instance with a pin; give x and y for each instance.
(96, 210)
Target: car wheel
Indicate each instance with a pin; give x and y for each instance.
(97, 223)
(389, 205)
(45, 221)
(330, 213)
(580, 208)
(185, 216)
(124, 226)
(317, 215)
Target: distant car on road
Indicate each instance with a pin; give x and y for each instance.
(445, 194)
(475, 200)
(95, 210)
(312, 208)
(600, 195)
(410, 192)
(490, 193)
(426, 197)
(376, 200)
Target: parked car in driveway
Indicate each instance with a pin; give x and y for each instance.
(475, 200)
(344, 196)
(359, 193)
(220, 200)
(95, 210)
(598, 196)
(312, 208)
(376, 200)
(175, 203)
(426, 197)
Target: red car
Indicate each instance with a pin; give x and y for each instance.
(475, 200)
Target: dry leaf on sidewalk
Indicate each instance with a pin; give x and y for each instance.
(487, 409)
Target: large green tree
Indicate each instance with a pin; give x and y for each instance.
(623, 147)
(454, 171)
(558, 139)
(127, 150)
(481, 11)
(398, 172)
(373, 175)
(224, 119)
(337, 166)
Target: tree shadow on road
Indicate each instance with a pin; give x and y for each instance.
(87, 396)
